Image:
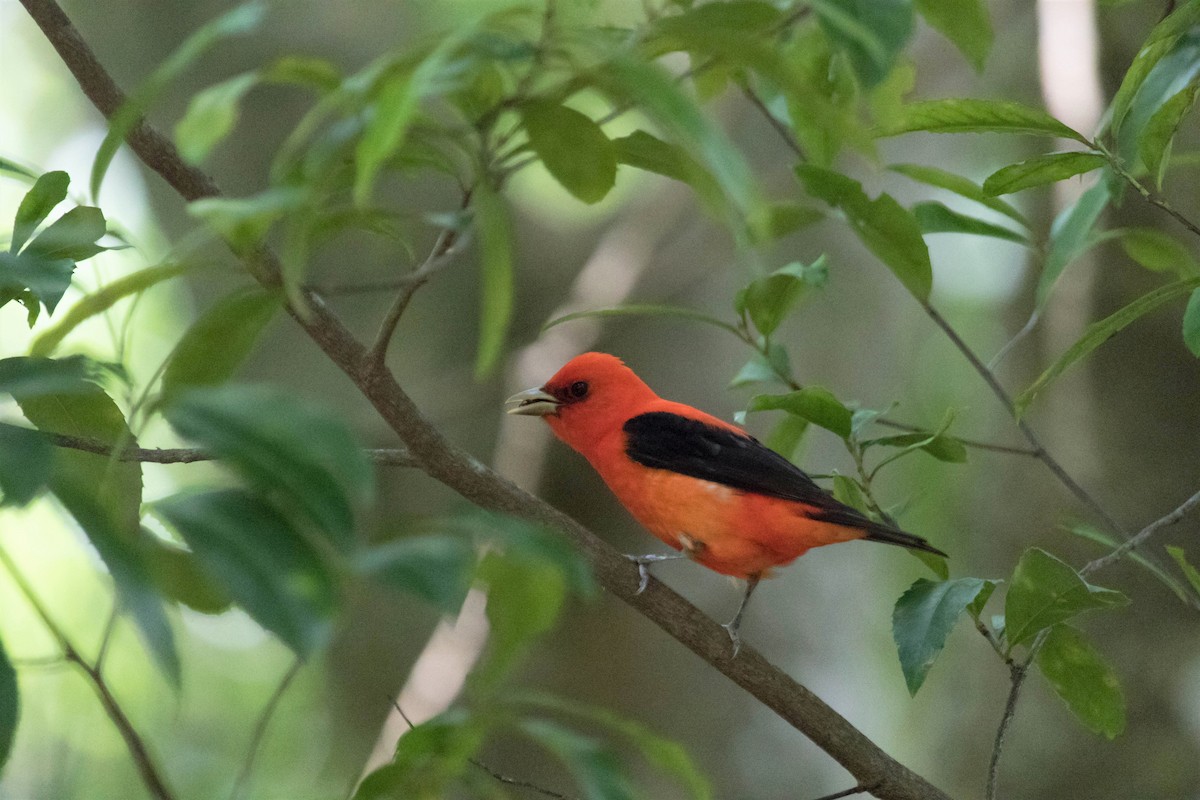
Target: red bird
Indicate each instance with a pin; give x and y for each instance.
(705, 487)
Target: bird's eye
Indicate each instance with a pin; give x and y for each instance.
(579, 389)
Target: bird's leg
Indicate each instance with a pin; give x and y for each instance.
(644, 562)
(733, 624)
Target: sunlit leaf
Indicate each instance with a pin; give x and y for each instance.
(26, 462)
(1159, 251)
(1085, 681)
(270, 569)
(884, 226)
(496, 282)
(100, 301)
(979, 116)
(923, 618)
(572, 147)
(281, 443)
(48, 191)
(437, 569)
(1098, 333)
(963, 22)
(211, 115)
(1041, 170)
(1044, 592)
(217, 343)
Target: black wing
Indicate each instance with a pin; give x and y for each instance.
(663, 440)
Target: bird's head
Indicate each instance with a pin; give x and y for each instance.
(590, 397)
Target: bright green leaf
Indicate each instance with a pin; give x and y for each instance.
(211, 115)
(48, 191)
(496, 290)
(270, 569)
(572, 147)
(885, 227)
(281, 443)
(961, 186)
(786, 436)
(1044, 592)
(979, 116)
(1191, 324)
(10, 706)
(813, 403)
(1159, 251)
(525, 596)
(72, 236)
(1100, 332)
(644, 151)
(217, 343)
(923, 618)
(1085, 681)
(769, 299)
(26, 463)
(963, 22)
(100, 301)
(1041, 170)
(435, 568)
(935, 217)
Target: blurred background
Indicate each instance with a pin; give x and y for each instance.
(1124, 424)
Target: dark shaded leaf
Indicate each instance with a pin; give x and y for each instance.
(769, 299)
(26, 462)
(72, 236)
(1041, 170)
(1044, 592)
(1154, 146)
(872, 33)
(282, 443)
(10, 706)
(923, 618)
(180, 576)
(1085, 681)
(1161, 41)
(48, 191)
(25, 376)
(437, 569)
(1100, 332)
(940, 446)
(270, 569)
(884, 226)
(47, 280)
(1191, 324)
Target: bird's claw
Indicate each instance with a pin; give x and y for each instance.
(643, 572)
(732, 629)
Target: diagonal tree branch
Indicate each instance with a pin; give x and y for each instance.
(474, 481)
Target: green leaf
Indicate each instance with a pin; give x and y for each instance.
(1190, 572)
(786, 436)
(429, 758)
(26, 463)
(23, 376)
(572, 147)
(757, 370)
(72, 236)
(525, 596)
(244, 221)
(1163, 40)
(1158, 251)
(10, 706)
(785, 218)
(100, 301)
(961, 186)
(211, 115)
(872, 33)
(923, 618)
(47, 280)
(282, 443)
(496, 282)
(646, 152)
(1041, 170)
(217, 343)
(181, 577)
(1176, 69)
(940, 446)
(662, 752)
(846, 490)
(1191, 324)
(437, 569)
(595, 768)
(1085, 681)
(17, 171)
(935, 217)
(1071, 235)
(963, 22)
(48, 191)
(769, 299)
(643, 311)
(885, 227)
(1104, 539)
(976, 606)
(270, 569)
(813, 403)
(1100, 332)
(238, 21)
(979, 116)
(1154, 146)
(1044, 592)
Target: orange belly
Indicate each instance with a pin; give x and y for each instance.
(727, 530)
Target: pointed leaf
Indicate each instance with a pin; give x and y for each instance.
(72, 236)
(572, 147)
(496, 282)
(47, 280)
(963, 22)
(1154, 146)
(1159, 251)
(923, 618)
(642, 311)
(1041, 170)
(1085, 681)
(961, 186)
(48, 191)
(269, 568)
(211, 115)
(872, 33)
(813, 403)
(934, 217)
(284, 444)
(1044, 592)
(1071, 235)
(769, 299)
(979, 116)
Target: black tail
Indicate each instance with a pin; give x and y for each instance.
(883, 533)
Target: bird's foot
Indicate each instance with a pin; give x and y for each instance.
(732, 629)
(643, 565)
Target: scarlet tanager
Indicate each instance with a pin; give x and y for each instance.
(705, 487)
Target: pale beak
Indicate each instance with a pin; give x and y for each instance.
(533, 402)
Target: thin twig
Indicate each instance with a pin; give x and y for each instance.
(860, 789)
(774, 122)
(1141, 536)
(106, 638)
(520, 784)
(1150, 197)
(138, 751)
(384, 457)
(260, 728)
(1017, 673)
